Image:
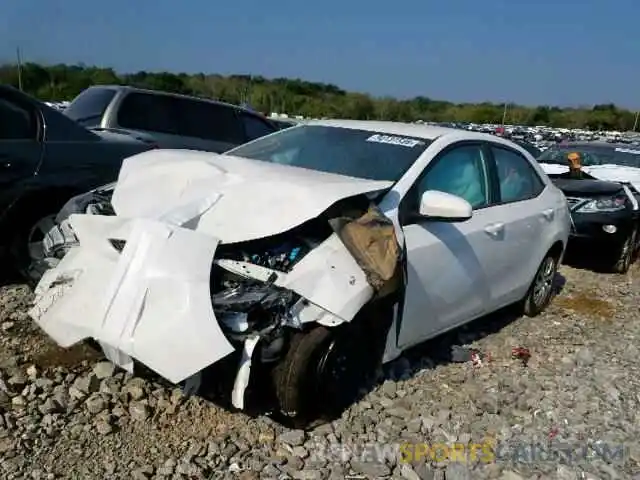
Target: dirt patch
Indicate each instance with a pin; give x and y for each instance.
(588, 304)
(53, 356)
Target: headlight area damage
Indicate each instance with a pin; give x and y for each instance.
(61, 238)
(178, 301)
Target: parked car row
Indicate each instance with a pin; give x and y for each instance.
(296, 262)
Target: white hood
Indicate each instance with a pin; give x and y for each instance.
(253, 199)
(609, 173)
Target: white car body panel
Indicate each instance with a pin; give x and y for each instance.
(152, 302)
(257, 199)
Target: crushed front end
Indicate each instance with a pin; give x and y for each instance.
(182, 303)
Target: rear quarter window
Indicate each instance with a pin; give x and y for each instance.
(88, 108)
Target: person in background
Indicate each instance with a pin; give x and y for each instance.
(575, 165)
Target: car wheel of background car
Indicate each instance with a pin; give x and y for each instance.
(625, 254)
(30, 224)
(541, 291)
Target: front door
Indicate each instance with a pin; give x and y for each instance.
(450, 264)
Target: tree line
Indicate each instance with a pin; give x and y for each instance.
(310, 99)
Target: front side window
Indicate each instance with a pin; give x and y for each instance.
(343, 151)
(518, 180)
(459, 171)
(88, 108)
(16, 123)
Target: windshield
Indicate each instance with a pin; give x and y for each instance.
(88, 108)
(628, 157)
(344, 151)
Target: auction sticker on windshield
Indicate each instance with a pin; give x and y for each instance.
(393, 140)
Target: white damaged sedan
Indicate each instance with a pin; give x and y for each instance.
(305, 258)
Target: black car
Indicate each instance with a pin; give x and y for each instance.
(45, 159)
(603, 198)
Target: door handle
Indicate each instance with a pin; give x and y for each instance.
(494, 228)
(548, 213)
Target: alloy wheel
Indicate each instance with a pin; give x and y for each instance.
(543, 283)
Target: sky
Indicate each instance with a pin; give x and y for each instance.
(562, 52)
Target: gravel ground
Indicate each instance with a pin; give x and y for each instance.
(68, 414)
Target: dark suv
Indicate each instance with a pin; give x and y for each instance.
(169, 120)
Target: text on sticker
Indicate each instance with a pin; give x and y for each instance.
(393, 140)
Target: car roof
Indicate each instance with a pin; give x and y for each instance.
(417, 130)
(170, 94)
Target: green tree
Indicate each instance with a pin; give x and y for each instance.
(302, 97)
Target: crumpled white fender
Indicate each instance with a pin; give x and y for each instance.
(151, 302)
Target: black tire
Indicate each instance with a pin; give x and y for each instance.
(324, 371)
(625, 254)
(23, 264)
(542, 288)
(23, 221)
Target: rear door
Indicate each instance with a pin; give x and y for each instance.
(21, 146)
(521, 208)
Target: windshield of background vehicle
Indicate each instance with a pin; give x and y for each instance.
(89, 106)
(344, 151)
(628, 157)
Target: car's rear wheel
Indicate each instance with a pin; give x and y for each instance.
(542, 288)
(625, 254)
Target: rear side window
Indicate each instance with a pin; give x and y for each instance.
(255, 127)
(88, 108)
(143, 111)
(180, 116)
(210, 121)
(518, 180)
(16, 123)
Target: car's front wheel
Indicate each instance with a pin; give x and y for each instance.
(542, 288)
(325, 369)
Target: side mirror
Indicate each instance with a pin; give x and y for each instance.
(444, 206)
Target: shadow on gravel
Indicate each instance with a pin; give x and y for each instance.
(439, 350)
(8, 277)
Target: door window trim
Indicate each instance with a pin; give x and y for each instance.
(489, 146)
(405, 216)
